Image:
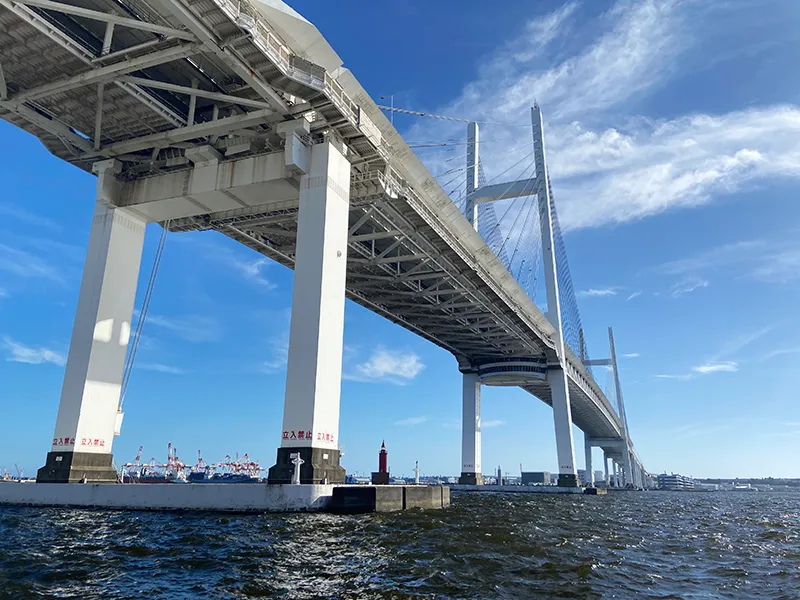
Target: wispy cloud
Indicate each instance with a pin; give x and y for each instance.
(159, 368)
(775, 260)
(254, 271)
(634, 295)
(691, 430)
(411, 421)
(18, 352)
(192, 328)
(687, 286)
(631, 167)
(388, 365)
(23, 263)
(597, 292)
(740, 342)
(279, 350)
(20, 214)
(716, 367)
(675, 377)
(706, 368)
(631, 355)
(775, 353)
(492, 423)
(252, 268)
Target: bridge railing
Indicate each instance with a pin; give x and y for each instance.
(245, 16)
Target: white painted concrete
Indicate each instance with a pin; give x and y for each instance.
(212, 186)
(545, 222)
(314, 372)
(87, 412)
(589, 471)
(471, 424)
(562, 419)
(170, 496)
(473, 160)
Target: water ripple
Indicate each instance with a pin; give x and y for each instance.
(653, 545)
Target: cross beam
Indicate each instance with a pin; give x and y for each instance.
(502, 191)
(184, 134)
(190, 91)
(106, 18)
(109, 72)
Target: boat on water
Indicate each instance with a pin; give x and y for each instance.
(244, 470)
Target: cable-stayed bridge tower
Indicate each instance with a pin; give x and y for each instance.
(549, 250)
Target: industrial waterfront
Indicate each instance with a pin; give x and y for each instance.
(637, 545)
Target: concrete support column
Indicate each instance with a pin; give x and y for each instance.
(471, 431)
(589, 472)
(88, 415)
(605, 469)
(314, 370)
(616, 473)
(562, 418)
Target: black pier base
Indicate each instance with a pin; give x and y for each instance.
(568, 481)
(320, 465)
(75, 467)
(471, 479)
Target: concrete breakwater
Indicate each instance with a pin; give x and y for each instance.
(246, 497)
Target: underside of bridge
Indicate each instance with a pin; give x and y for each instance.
(239, 117)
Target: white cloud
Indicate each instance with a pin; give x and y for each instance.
(687, 286)
(607, 168)
(411, 421)
(253, 270)
(716, 367)
(192, 328)
(493, 423)
(740, 342)
(279, 348)
(705, 369)
(20, 214)
(676, 377)
(28, 265)
(159, 368)
(601, 292)
(632, 355)
(775, 353)
(32, 355)
(388, 365)
(634, 295)
(775, 260)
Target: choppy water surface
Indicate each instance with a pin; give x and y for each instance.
(629, 545)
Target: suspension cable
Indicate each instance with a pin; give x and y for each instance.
(417, 113)
(148, 295)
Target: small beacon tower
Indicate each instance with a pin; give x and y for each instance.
(382, 476)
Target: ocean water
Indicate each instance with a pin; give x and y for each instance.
(626, 545)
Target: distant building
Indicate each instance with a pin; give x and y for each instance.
(675, 482)
(535, 477)
(599, 476)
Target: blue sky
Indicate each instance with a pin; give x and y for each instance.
(673, 137)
